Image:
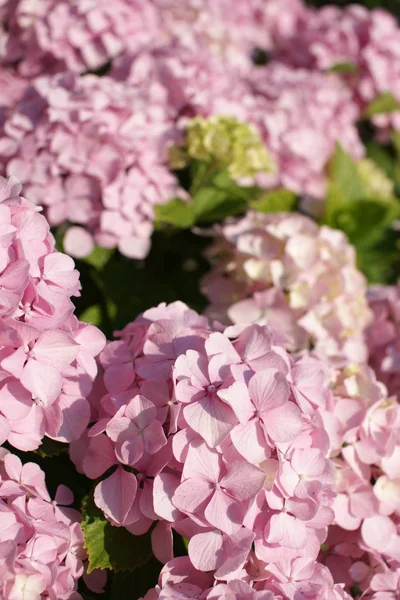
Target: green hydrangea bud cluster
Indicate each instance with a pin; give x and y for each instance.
(376, 183)
(235, 146)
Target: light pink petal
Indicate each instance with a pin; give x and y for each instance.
(237, 396)
(56, 348)
(286, 530)
(243, 480)
(205, 550)
(218, 343)
(236, 551)
(269, 390)
(191, 494)
(154, 437)
(253, 344)
(141, 410)
(129, 448)
(43, 381)
(377, 532)
(15, 400)
(249, 441)
(283, 423)
(116, 494)
(100, 456)
(162, 542)
(165, 486)
(78, 242)
(211, 418)
(224, 512)
(118, 378)
(195, 366)
(202, 462)
(4, 429)
(309, 462)
(75, 417)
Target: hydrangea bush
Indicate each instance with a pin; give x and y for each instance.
(226, 177)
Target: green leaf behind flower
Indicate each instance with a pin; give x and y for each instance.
(385, 103)
(111, 547)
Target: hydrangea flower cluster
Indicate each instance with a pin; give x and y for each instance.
(97, 146)
(383, 335)
(301, 115)
(41, 541)
(225, 142)
(362, 550)
(285, 268)
(365, 40)
(86, 146)
(58, 35)
(47, 357)
(217, 435)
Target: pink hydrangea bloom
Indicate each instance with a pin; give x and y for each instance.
(41, 542)
(57, 34)
(47, 357)
(217, 435)
(301, 115)
(363, 427)
(92, 150)
(383, 335)
(285, 267)
(368, 40)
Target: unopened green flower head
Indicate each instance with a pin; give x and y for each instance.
(236, 146)
(376, 183)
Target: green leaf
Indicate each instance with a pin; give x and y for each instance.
(50, 448)
(364, 220)
(276, 201)
(176, 212)
(99, 257)
(214, 204)
(384, 103)
(111, 547)
(381, 156)
(92, 315)
(344, 68)
(344, 175)
(134, 585)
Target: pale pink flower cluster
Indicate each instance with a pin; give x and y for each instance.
(47, 357)
(91, 149)
(179, 580)
(367, 39)
(94, 148)
(363, 423)
(218, 435)
(284, 268)
(41, 541)
(56, 35)
(301, 115)
(383, 335)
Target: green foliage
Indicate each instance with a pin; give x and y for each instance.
(118, 291)
(111, 547)
(51, 448)
(344, 68)
(384, 103)
(127, 585)
(276, 201)
(176, 212)
(354, 205)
